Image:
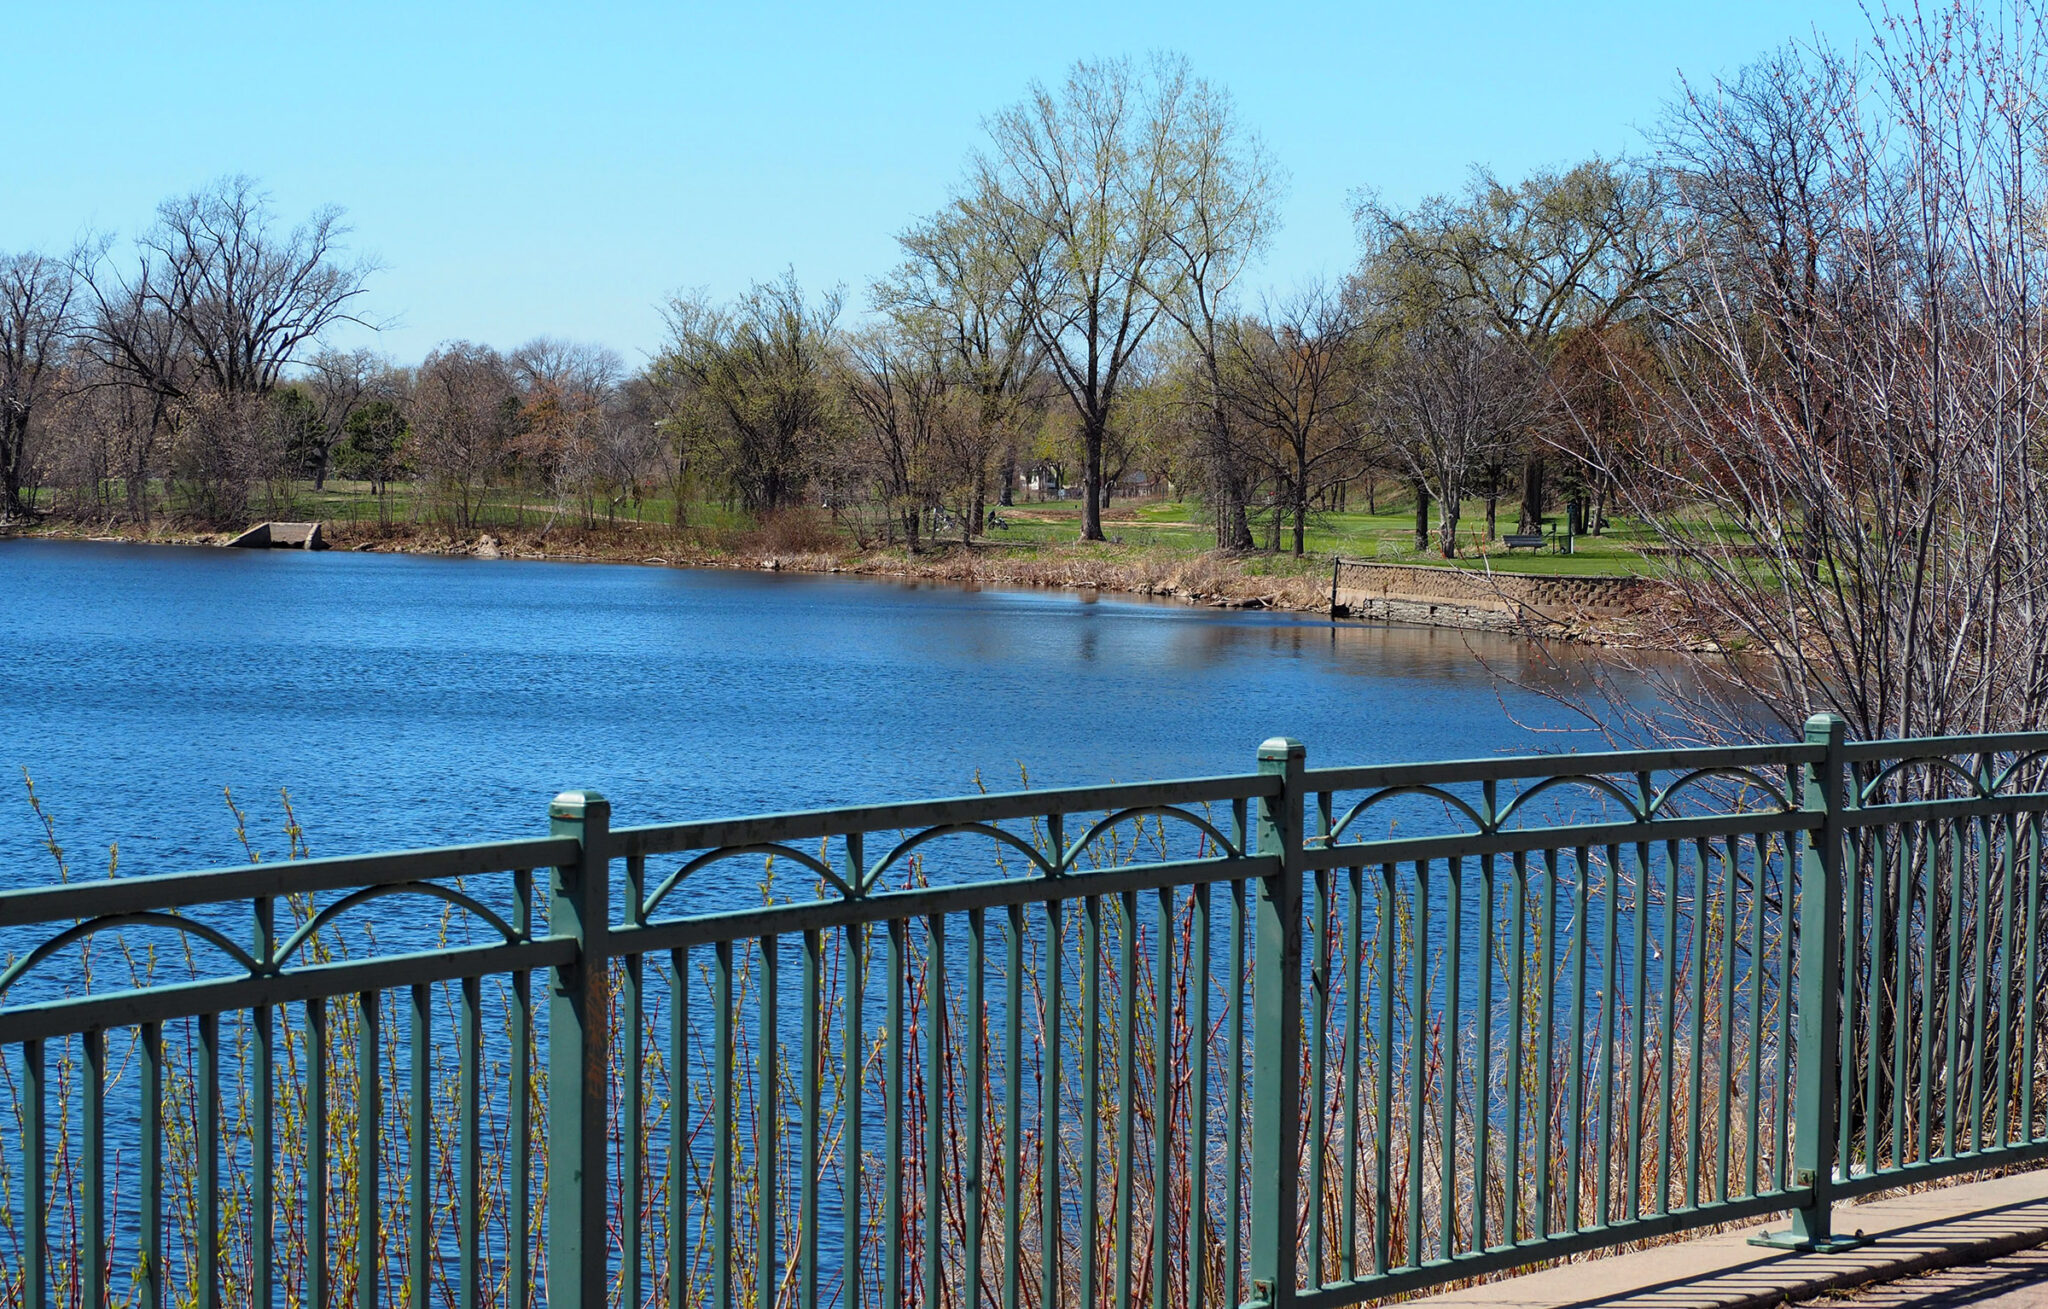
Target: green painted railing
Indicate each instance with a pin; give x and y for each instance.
(1292, 1037)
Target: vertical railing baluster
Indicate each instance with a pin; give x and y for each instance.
(1895, 857)
(2031, 978)
(419, 1150)
(1861, 842)
(768, 1127)
(1724, 1077)
(369, 1187)
(1198, 974)
(1418, 1028)
(35, 1163)
(1013, 1108)
(852, 1083)
(679, 1153)
(92, 1253)
(632, 1112)
(1354, 1040)
(1854, 951)
(1383, 1089)
(1482, 1058)
(1781, 1085)
(1575, 1088)
(722, 1219)
(1928, 852)
(1610, 995)
(1090, 1178)
(151, 1169)
(1953, 992)
(2001, 1134)
(1233, 1090)
(1753, 1091)
(206, 1144)
(1696, 986)
(1980, 976)
(1318, 1031)
(934, 1112)
(315, 1126)
(519, 1288)
(262, 1123)
(1511, 1215)
(1447, 1112)
(1546, 1058)
(1050, 1203)
(1127, 1093)
(1638, 1022)
(893, 1178)
(971, 1179)
(1162, 1092)
(469, 1184)
(811, 1078)
(1667, 1019)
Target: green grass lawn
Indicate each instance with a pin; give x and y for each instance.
(1386, 537)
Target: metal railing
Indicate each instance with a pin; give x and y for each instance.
(1292, 1037)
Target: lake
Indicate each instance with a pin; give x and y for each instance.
(410, 700)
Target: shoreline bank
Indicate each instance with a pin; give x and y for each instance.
(1407, 593)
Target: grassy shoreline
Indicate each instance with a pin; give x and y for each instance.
(1146, 568)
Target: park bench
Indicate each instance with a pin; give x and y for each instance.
(1525, 540)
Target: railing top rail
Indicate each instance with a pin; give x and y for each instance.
(811, 824)
(127, 895)
(1946, 747)
(1597, 764)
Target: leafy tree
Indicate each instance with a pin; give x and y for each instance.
(1087, 195)
(374, 444)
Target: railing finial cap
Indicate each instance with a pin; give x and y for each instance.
(1824, 726)
(1282, 747)
(574, 804)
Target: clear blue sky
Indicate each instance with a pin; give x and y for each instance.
(527, 169)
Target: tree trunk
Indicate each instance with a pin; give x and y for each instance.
(1448, 532)
(1007, 496)
(1091, 484)
(1421, 517)
(1533, 494)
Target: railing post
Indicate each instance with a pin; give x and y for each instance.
(1276, 1032)
(1816, 1098)
(579, 1044)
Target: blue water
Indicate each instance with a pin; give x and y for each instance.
(409, 700)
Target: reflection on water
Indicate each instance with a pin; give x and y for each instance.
(412, 701)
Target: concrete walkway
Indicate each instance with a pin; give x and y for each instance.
(1912, 1234)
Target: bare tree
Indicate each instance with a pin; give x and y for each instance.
(897, 388)
(218, 304)
(36, 294)
(1851, 369)
(1453, 396)
(465, 413)
(955, 290)
(1293, 374)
